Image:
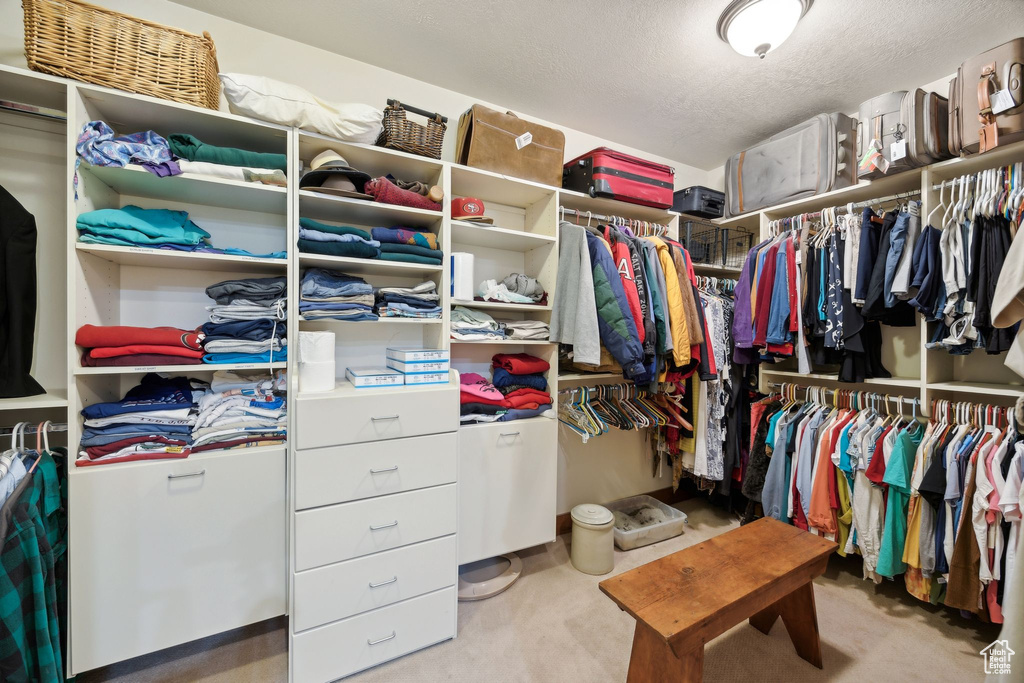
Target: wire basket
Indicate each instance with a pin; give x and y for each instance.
(408, 136)
(711, 245)
(96, 45)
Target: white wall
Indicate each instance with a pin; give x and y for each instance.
(328, 75)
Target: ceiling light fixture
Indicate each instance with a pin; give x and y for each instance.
(756, 27)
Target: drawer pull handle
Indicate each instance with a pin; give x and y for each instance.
(509, 434)
(383, 418)
(383, 526)
(393, 579)
(393, 468)
(381, 640)
(184, 476)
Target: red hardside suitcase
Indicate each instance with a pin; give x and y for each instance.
(603, 172)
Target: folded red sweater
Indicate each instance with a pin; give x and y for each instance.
(529, 391)
(465, 397)
(527, 402)
(92, 336)
(133, 349)
(520, 363)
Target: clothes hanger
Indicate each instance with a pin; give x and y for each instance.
(942, 202)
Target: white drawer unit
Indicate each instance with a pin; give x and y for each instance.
(164, 552)
(325, 476)
(350, 416)
(337, 591)
(507, 479)
(345, 647)
(342, 532)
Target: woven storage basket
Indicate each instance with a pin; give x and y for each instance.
(408, 136)
(96, 45)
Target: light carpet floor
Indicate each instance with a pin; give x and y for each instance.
(555, 625)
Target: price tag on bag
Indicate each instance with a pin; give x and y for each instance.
(524, 139)
(898, 150)
(1001, 101)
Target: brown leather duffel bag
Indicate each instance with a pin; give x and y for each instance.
(505, 143)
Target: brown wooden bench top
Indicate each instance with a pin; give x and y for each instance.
(696, 594)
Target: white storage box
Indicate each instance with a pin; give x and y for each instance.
(648, 533)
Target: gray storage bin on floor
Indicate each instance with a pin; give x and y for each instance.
(670, 522)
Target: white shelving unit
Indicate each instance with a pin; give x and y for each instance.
(919, 372)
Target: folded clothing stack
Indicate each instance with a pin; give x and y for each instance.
(468, 324)
(195, 156)
(514, 289)
(518, 390)
(420, 301)
(133, 226)
(239, 411)
(333, 295)
(525, 329)
(386, 192)
(406, 245)
(118, 345)
(247, 321)
(153, 421)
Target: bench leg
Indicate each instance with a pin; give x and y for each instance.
(653, 661)
(801, 620)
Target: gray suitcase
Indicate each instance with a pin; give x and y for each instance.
(929, 127)
(919, 118)
(810, 158)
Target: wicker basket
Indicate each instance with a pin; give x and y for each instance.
(408, 136)
(96, 45)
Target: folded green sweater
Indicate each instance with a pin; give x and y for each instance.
(410, 258)
(310, 224)
(189, 147)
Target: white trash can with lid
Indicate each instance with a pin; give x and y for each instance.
(593, 539)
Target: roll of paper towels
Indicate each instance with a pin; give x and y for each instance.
(316, 376)
(316, 347)
(462, 276)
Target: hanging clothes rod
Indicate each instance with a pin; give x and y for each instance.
(866, 203)
(34, 428)
(971, 176)
(32, 110)
(609, 219)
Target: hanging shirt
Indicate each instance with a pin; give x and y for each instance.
(897, 476)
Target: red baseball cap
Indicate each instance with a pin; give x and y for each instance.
(469, 209)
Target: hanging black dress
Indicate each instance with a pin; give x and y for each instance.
(17, 298)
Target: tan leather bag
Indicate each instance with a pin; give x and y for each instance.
(488, 140)
(977, 122)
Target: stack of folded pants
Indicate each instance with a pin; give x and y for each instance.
(257, 301)
(525, 329)
(420, 301)
(336, 240)
(469, 324)
(520, 379)
(327, 294)
(480, 401)
(408, 245)
(153, 421)
(239, 411)
(119, 345)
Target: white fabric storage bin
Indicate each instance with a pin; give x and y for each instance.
(652, 533)
(593, 541)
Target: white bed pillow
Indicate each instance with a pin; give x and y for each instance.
(289, 105)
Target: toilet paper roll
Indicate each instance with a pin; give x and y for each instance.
(316, 347)
(462, 276)
(316, 376)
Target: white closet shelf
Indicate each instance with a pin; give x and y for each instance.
(1010, 390)
(378, 321)
(536, 418)
(343, 388)
(571, 199)
(180, 369)
(497, 188)
(794, 376)
(184, 260)
(29, 87)
(586, 376)
(363, 212)
(367, 266)
(500, 306)
(502, 342)
(954, 168)
(55, 398)
(192, 188)
(370, 159)
(712, 268)
(476, 234)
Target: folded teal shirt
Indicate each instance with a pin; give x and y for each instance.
(410, 258)
(350, 249)
(191, 148)
(133, 225)
(310, 224)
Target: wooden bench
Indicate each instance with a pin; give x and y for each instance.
(760, 571)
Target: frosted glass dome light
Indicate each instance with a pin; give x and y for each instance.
(756, 27)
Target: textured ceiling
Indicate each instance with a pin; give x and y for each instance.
(651, 74)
